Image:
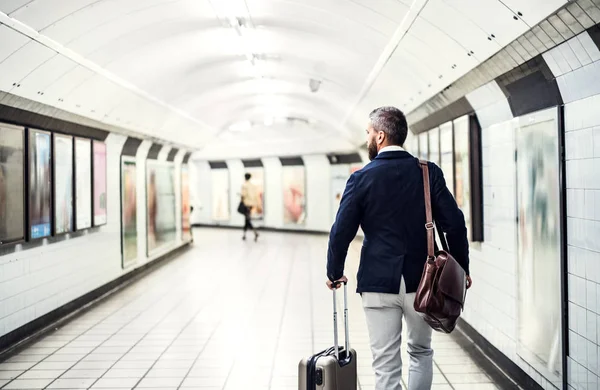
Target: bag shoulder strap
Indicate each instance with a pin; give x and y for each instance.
(428, 214)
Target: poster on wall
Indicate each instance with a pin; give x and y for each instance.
(434, 146)
(99, 183)
(40, 184)
(294, 195)
(220, 194)
(340, 173)
(539, 327)
(424, 146)
(186, 227)
(83, 183)
(462, 168)
(162, 229)
(447, 155)
(258, 181)
(129, 211)
(63, 184)
(12, 193)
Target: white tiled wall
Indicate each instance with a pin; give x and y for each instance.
(576, 66)
(582, 142)
(36, 281)
(491, 306)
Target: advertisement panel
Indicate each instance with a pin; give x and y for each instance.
(162, 229)
(539, 327)
(83, 183)
(12, 185)
(462, 173)
(447, 155)
(129, 211)
(220, 194)
(99, 183)
(63, 184)
(340, 173)
(40, 184)
(185, 204)
(294, 195)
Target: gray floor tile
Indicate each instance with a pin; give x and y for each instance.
(41, 374)
(9, 374)
(27, 384)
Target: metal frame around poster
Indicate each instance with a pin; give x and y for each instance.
(25, 199)
(550, 114)
(562, 182)
(94, 224)
(28, 156)
(54, 135)
(122, 162)
(159, 249)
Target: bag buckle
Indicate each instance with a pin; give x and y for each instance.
(429, 226)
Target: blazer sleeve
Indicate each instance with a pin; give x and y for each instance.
(448, 216)
(344, 229)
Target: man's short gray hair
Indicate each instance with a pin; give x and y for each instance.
(392, 122)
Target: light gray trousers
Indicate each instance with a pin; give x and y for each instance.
(384, 314)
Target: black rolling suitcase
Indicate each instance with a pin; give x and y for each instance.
(333, 368)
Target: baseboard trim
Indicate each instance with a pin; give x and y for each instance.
(496, 364)
(264, 229)
(15, 341)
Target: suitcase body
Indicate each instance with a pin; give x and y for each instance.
(323, 371)
(331, 369)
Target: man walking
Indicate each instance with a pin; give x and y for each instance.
(386, 199)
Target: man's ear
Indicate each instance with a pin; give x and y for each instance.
(380, 137)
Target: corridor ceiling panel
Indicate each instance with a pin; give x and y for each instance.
(238, 78)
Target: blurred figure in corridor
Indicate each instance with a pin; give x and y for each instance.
(250, 198)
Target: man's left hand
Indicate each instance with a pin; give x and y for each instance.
(341, 280)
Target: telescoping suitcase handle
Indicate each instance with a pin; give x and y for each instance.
(335, 326)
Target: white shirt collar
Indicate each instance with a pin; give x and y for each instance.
(392, 148)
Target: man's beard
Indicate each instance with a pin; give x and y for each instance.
(372, 148)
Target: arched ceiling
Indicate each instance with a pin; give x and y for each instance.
(245, 78)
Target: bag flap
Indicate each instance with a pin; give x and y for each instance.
(453, 280)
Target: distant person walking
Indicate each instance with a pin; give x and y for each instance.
(250, 199)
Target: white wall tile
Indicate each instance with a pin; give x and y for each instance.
(589, 46)
(595, 141)
(561, 61)
(569, 55)
(592, 260)
(591, 331)
(582, 56)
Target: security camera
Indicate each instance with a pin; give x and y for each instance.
(314, 85)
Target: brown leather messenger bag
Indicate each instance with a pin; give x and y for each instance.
(441, 293)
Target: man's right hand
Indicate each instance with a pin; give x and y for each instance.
(469, 282)
(341, 280)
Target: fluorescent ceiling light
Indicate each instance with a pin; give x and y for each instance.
(240, 127)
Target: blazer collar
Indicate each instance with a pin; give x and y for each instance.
(393, 155)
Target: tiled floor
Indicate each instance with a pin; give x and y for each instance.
(227, 314)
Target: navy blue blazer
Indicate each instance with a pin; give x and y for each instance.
(386, 199)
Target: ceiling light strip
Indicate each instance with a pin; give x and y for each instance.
(70, 54)
(411, 16)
